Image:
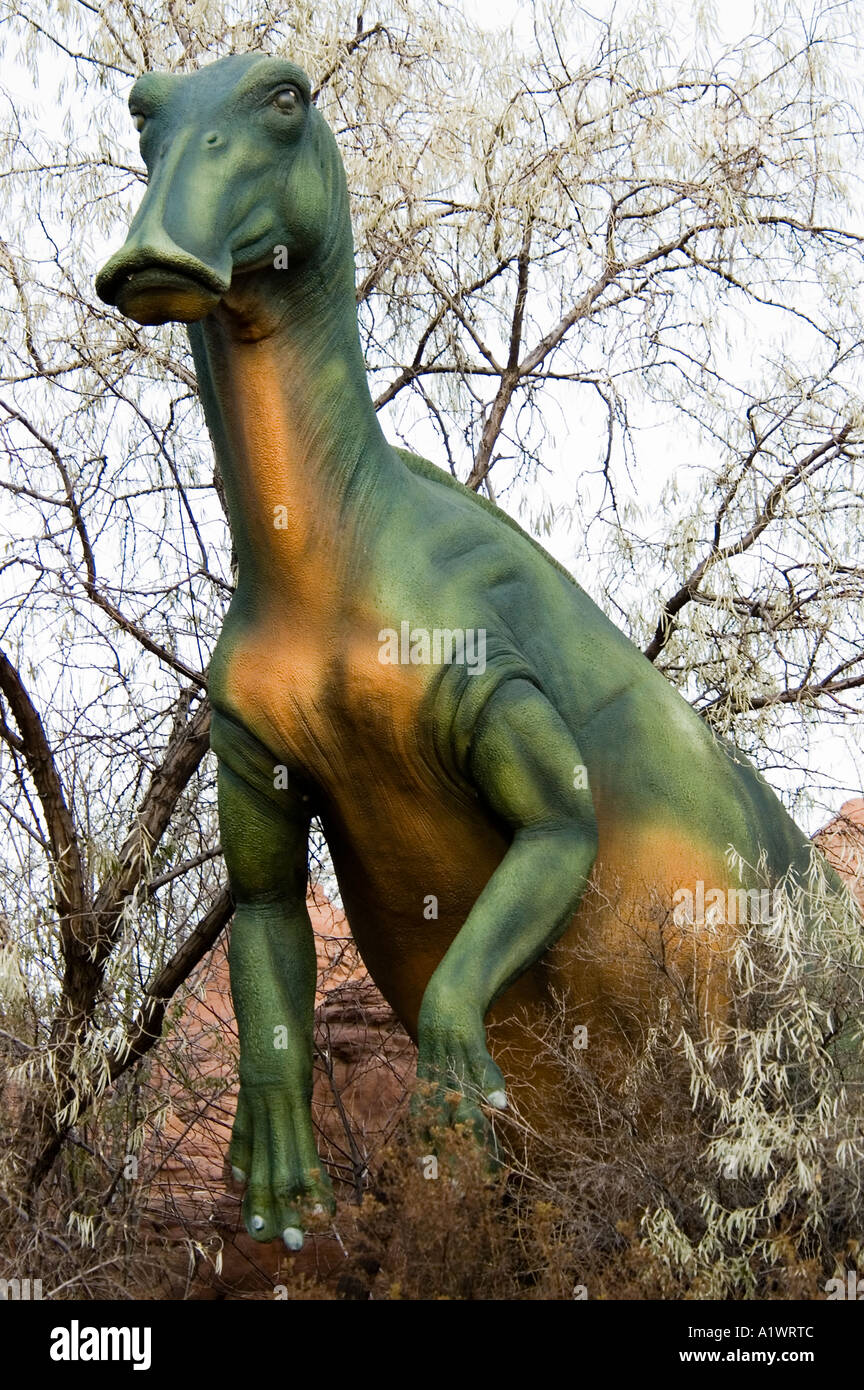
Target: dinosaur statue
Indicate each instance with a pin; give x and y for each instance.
(511, 793)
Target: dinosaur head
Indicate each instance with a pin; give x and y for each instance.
(239, 163)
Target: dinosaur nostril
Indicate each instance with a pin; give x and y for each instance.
(212, 138)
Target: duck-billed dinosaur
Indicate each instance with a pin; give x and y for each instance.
(499, 827)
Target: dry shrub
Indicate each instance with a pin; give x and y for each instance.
(716, 1162)
(426, 1234)
(86, 1235)
(684, 1161)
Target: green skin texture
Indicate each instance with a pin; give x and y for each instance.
(232, 174)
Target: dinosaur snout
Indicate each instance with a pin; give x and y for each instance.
(154, 277)
(152, 280)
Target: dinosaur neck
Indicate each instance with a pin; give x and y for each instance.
(302, 456)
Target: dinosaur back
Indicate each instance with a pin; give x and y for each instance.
(423, 468)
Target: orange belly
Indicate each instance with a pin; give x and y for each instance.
(413, 852)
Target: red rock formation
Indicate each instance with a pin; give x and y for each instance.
(842, 843)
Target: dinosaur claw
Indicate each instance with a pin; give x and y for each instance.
(238, 1175)
(497, 1099)
(293, 1238)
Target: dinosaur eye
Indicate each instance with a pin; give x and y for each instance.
(140, 119)
(286, 100)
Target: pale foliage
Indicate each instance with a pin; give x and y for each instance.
(778, 1094)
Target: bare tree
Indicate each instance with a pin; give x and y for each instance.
(594, 226)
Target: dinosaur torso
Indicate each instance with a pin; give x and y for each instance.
(381, 744)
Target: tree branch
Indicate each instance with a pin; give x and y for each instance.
(687, 592)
